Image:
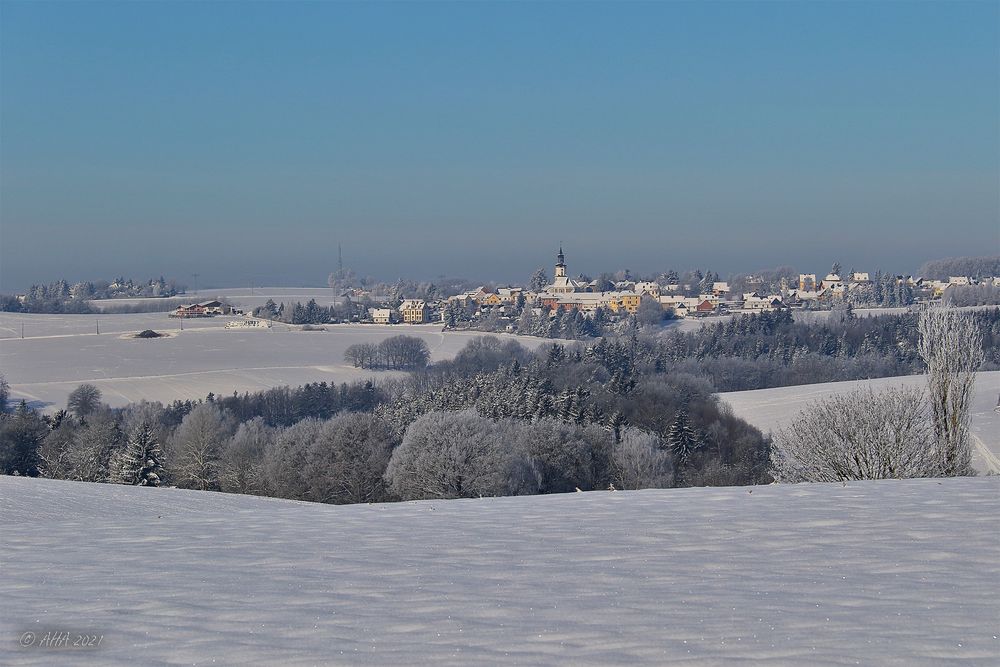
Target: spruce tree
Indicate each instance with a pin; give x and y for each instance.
(140, 461)
(682, 439)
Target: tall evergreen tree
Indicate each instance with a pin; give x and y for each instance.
(682, 439)
(139, 463)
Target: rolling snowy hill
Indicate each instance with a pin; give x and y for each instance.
(897, 572)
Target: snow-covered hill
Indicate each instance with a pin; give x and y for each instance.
(897, 572)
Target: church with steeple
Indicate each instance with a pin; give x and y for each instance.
(563, 284)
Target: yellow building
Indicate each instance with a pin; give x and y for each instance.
(414, 311)
(627, 301)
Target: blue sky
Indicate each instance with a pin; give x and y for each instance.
(243, 141)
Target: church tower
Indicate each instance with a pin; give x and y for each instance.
(560, 264)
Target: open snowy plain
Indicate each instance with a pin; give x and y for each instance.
(59, 352)
(769, 409)
(873, 573)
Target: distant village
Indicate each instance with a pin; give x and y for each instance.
(507, 308)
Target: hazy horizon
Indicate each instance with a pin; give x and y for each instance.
(244, 141)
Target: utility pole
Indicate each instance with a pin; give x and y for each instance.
(22, 330)
(195, 276)
(98, 327)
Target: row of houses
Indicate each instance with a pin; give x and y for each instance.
(410, 311)
(833, 286)
(627, 297)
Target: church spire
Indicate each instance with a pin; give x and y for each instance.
(560, 264)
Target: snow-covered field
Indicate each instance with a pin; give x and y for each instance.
(62, 351)
(894, 572)
(768, 409)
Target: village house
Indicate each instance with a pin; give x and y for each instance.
(586, 302)
(625, 301)
(680, 305)
(414, 311)
(491, 300)
(383, 315)
(705, 307)
(757, 303)
(831, 281)
(510, 295)
(650, 288)
(203, 309)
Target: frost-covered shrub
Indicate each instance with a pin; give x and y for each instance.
(640, 460)
(861, 435)
(452, 455)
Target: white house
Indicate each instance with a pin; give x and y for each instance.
(382, 315)
(650, 288)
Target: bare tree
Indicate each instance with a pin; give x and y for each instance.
(564, 456)
(952, 347)
(243, 458)
(347, 461)
(861, 435)
(196, 448)
(640, 460)
(84, 400)
(82, 452)
(285, 459)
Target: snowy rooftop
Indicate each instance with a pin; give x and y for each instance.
(898, 572)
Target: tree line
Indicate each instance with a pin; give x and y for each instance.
(395, 353)
(501, 419)
(61, 297)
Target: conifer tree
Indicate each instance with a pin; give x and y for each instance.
(682, 439)
(139, 463)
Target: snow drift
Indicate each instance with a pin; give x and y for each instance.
(894, 572)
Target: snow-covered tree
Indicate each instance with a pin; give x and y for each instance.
(538, 281)
(682, 438)
(139, 463)
(347, 461)
(84, 400)
(952, 347)
(451, 455)
(242, 458)
(640, 461)
(196, 448)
